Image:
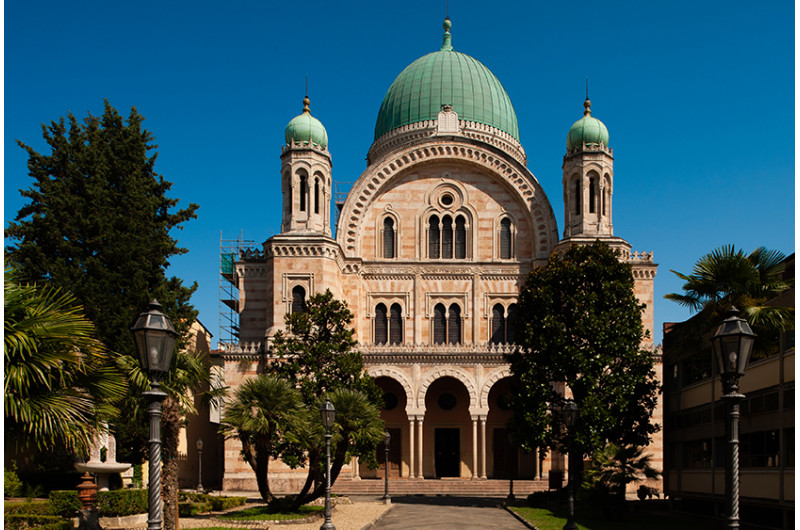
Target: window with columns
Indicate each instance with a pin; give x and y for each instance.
(503, 324)
(447, 237)
(447, 324)
(388, 324)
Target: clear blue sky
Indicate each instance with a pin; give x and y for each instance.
(698, 98)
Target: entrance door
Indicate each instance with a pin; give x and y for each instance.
(447, 446)
(394, 454)
(505, 457)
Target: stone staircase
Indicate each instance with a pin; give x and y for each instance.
(445, 486)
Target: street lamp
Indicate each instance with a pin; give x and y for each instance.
(328, 413)
(155, 339)
(570, 412)
(733, 343)
(387, 438)
(200, 465)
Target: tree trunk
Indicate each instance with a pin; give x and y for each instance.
(170, 429)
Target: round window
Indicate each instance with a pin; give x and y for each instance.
(446, 199)
(389, 401)
(447, 401)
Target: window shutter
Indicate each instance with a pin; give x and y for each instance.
(439, 324)
(433, 238)
(388, 238)
(380, 324)
(447, 237)
(505, 238)
(396, 325)
(454, 325)
(498, 324)
(461, 238)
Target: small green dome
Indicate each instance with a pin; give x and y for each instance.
(305, 129)
(587, 130)
(442, 78)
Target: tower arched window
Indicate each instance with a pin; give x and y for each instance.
(454, 324)
(592, 194)
(298, 299)
(577, 197)
(439, 324)
(396, 324)
(388, 238)
(433, 237)
(447, 237)
(498, 324)
(380, 324)
(316, 195)
(303, 192)
(505, 238)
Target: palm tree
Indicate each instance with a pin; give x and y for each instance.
(728, 277)
(268, 416)
(60, 382)
(613, 468)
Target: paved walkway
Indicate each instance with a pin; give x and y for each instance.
(447, 512)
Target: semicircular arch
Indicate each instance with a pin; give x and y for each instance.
(494, 376)
(448, 371)
(393, 373)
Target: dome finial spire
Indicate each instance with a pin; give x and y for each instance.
(447, 45)
(587, 104)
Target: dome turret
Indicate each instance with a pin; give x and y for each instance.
(306, 129)
(587, 130)
(449, 78)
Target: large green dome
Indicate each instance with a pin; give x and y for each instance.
(587, 130)
(441, 78)
(306, 129)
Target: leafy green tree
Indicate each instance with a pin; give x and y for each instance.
(59, 387)
(267, 415)
(98, 224)
(580, 327)
(318, 355)
(728, 277)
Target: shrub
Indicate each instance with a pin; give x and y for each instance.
(219, 504)
(188, 508)
(42, 522)
(206, 503)
(65, 502)
(12, 485)
(29, 507)
(122, 502)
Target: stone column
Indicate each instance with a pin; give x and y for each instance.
(411, 460)
(474, 447)
(356, 470)
(483, 446)
(420, 474)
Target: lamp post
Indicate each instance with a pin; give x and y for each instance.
(155, 339)
(200, 465)
(387, 438)
(570, 412)
(328, 413)
(733, 343)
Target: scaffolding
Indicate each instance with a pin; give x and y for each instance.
(230, 251)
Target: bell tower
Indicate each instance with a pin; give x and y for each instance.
(588, 180)
(306, 176)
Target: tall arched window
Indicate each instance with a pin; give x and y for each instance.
(380, 324)
(592, 194)
(388, 238)
(577, 196)
(298, 299)
(505, 238)
(512, 321)
(439, 324)
(461, 237)
(303, 192)
(316, 195)
(433, 237)
(396, 324)
(454, 324)
(447, 237)
(498, 324)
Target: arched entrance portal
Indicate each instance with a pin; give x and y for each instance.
(446, 430)
(506, 461)
(393, 413)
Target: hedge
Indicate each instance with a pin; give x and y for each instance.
(109, 503)
(16, 521)
(29, 507)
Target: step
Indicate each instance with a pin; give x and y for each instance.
(405, 486)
